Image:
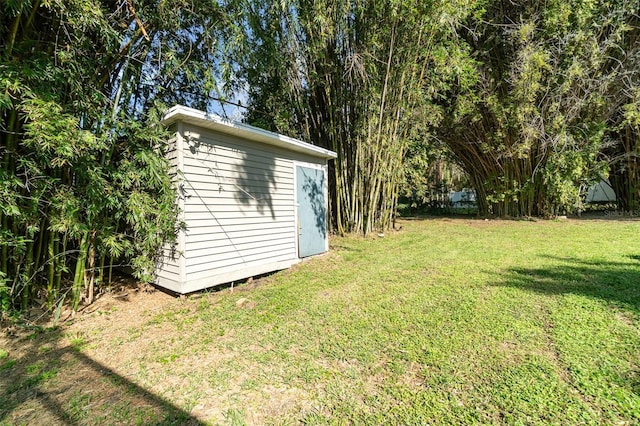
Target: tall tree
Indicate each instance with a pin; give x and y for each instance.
(622, 138)
(530, 128)
(352, 76)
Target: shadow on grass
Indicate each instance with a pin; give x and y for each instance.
(615, 282)
(52, 384)
(417, 217)
(339, 246)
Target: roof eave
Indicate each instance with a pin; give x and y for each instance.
(217, 123)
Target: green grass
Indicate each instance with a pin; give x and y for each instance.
(446, 322)
(449, 321)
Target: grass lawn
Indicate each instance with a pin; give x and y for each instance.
(448, 321)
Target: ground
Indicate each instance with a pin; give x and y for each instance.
(446, 321)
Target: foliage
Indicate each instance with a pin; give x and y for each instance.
(525, 95)
(84, 182)
(623, 125)
(527, 119)
(429, 174)
(350, 76)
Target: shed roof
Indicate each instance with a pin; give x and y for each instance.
(245, 131)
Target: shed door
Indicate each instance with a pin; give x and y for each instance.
(312, 211)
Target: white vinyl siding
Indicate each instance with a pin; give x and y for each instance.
(239, 205)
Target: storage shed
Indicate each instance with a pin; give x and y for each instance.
(253, 201)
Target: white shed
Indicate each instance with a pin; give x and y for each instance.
(253, 201)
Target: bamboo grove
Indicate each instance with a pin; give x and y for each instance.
(84, 184)
(355, 77)
(551, 104)
(533, 100)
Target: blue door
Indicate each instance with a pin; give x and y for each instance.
(312, 211)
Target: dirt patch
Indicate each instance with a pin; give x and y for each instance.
(609, 215)
(127, 359)
(47, 375)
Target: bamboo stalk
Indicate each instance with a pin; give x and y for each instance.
(13, 33)
(51, 271)
(90, 270)
(78, 277)
(4, 251)
(60, 265)
(110, 270)
(101, 269)
(41, 237)
(26, 277)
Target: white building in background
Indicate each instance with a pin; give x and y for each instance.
(601, 192)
